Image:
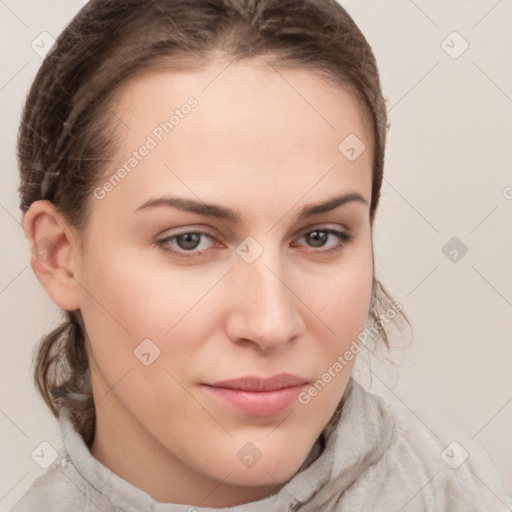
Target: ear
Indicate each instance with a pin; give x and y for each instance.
(54, 258)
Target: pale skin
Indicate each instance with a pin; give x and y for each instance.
(254, 145)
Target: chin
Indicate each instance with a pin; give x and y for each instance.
(265, 476)
(273, 468)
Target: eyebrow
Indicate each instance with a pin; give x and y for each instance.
(234, 217)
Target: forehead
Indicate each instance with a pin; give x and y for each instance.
(265, 128)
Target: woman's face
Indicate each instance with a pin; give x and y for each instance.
(176, 298)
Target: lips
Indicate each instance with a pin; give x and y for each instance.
(256, 396)
(249, 383)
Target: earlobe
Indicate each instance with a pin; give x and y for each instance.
(54, 252)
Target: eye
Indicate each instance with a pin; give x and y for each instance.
(319, 237)
(186, 242)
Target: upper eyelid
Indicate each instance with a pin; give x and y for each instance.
(306, 229)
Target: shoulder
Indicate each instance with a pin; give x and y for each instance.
(440, 466)
(57, 490)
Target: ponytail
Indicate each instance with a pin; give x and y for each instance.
(61, 374)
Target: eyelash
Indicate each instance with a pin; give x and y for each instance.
(343, 239)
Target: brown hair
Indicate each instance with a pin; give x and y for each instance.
(63, 140)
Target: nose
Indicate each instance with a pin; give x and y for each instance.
(264, 309)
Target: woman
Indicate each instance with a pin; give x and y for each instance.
(199, 182)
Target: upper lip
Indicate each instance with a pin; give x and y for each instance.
(250, 383)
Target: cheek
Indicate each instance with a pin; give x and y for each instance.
(343, 300)
(351, 300)
(125, 302)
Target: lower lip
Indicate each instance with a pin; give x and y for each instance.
(258, 403)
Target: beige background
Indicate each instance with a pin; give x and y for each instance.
(447, 175)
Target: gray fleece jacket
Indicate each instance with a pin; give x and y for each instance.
(380, 457)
